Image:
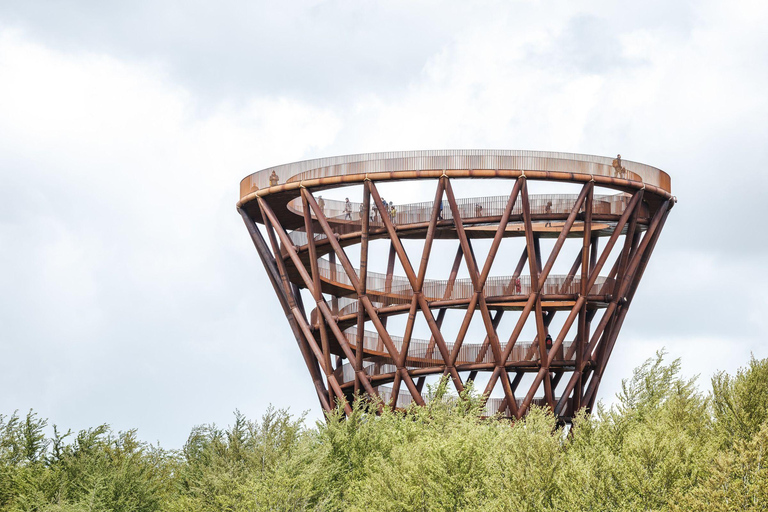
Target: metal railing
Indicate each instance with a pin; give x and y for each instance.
(343, 222)
(425, 353)
(443, 160)
(492, 405)
(398, 290)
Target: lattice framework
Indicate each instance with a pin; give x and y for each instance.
(323, 339)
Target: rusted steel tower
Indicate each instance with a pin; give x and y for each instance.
(318, 255)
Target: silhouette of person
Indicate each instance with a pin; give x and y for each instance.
(548, 210)
(617, 167)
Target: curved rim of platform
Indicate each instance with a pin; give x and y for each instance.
(463, 163)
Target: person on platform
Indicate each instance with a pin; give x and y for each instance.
(548, 342)
(618, 169)
(440, 213)
(321, 204)
(548, 210)
(518, 286)
(347, 209)
(392, 213)
(273, 179)
(478, 210)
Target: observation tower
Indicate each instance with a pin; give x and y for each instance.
(521, 287)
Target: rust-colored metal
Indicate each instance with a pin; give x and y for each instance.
(307, 242)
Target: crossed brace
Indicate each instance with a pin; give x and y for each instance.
(591, 348)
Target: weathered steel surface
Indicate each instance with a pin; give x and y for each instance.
(306, 245)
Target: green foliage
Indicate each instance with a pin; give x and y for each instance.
(642, 452)
(663, 446)
(741, 402)
(98, 470)
(230, 469)
(738, 480)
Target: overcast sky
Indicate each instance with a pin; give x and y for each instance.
(131, 292)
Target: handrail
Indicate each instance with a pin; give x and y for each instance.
(397, 289)
(469, 208)
(404, 161)
(423, 353)
(492, 405)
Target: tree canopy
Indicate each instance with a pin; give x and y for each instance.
(665, 445)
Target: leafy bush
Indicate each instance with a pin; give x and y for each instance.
(664, 446)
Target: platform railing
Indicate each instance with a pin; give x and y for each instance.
(492, 405)
(446, 160)
(343, 222)
(398, 287)
(424, 353)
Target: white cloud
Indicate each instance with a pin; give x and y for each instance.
(121, 246)
(132, 283)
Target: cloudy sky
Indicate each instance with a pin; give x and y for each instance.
(131, 293)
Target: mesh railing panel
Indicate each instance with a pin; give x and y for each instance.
(467, 159)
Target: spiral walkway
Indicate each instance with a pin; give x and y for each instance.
(305, 243)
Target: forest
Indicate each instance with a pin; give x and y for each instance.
(665, 444)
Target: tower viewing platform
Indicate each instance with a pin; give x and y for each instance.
(522, 290)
